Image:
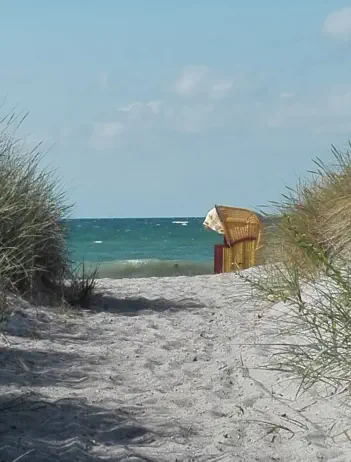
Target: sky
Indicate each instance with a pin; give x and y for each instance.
(159, 108)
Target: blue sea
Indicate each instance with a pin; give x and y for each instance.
(143, 247)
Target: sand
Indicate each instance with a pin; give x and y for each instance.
(160, 369)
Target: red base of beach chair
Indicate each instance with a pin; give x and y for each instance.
(218, 257)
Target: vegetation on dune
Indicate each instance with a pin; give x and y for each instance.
(307, 266)
(33, 255)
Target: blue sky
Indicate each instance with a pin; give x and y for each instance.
(157, 108)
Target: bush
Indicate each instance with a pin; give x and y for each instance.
(33, 252)
(81, 287)
(307, 267)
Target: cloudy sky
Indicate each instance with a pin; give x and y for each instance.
(164, 108)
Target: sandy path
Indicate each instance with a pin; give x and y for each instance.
(161, 370)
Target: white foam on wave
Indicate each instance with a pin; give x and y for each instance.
(183, 223)
(137, 262)
(97, 242)
(146, 268)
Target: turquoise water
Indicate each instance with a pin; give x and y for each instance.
(143, 247)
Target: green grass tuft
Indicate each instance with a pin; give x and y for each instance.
(306, 258)
(33, 250)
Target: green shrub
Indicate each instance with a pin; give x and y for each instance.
(307, 267)
(33, 251)
(80, 287)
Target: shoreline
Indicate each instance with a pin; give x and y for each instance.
(159, 369)
(147, 268)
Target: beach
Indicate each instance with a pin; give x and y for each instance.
(175, 233)
(159, 369)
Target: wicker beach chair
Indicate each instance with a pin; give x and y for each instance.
(242, 231)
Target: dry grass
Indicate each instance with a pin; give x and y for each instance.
(33, 252)
(307, 267)
(81, 287)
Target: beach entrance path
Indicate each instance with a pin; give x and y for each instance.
(160, 369)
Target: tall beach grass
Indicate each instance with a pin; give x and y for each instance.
(307, 266)
(33, 253)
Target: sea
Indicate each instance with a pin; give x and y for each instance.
(142, 247)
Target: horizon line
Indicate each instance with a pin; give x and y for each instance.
(133, 218)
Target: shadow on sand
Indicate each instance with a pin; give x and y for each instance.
(39, 428)
(41, 368)
(69, 430)
(135, 306)
(36, 428)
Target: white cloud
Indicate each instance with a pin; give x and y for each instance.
(191, 119)
(221, 88)
(204, 100)
(130, 107)
(108, 130)
(155, 106)
(105, 134)
(133, 111)
(138, 109)
(338, 24)
(327, 110)
(201, 80)
(190, 80)
(286, 95)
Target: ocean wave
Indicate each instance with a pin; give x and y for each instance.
(151, 268)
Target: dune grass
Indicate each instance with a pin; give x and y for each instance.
(33, 252)
(307, 266)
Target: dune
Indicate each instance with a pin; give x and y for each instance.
(159, 369)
